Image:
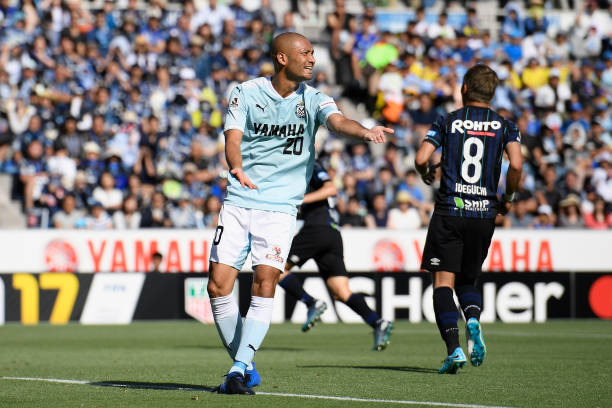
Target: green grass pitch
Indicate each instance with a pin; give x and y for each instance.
(556, 364)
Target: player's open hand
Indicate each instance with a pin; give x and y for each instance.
(377, 134)
(244, 180)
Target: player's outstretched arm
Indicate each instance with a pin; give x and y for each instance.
(350, 128)
(233, 155)
(513, 149)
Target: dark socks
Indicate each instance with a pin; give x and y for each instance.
(470, 301)
(357, 302)
(293, 286)
(446, 317)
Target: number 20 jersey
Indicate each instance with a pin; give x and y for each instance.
(473, 140)
(277, 142)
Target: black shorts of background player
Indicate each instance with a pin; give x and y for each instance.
(473, 141)
(320, 240)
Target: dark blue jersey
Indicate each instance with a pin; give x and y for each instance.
(320, 212)
(473, 140)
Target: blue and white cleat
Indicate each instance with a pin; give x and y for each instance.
(475, 343)
(314, 315)
(453, 362)
(382, 333)
(235, 383)
(253, 379)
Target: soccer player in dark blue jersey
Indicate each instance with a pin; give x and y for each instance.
(319, 239)
(473, 141)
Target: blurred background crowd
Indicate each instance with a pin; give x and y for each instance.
(111, 112)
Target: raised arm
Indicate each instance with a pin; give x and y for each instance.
(352, 129)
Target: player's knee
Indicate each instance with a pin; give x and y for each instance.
(264, 287)
(216, 288)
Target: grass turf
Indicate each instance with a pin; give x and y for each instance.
(557, 364)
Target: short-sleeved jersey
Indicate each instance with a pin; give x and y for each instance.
(473, 140)
(321, 212)
(277, 142)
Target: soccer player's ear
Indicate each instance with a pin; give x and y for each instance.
(282, 58)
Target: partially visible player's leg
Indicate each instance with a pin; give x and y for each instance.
(224, 306)
(474, 253)
(229, 250)
(442, 253)
(270, 236)
(447, 316)
(292, 285)
(339, 287)
(258, 318)
(305, 245)
(331, 266)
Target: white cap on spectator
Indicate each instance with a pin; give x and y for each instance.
(604, 157)
(187, 74)
(554, 72)
(545, 209)
(91, 147)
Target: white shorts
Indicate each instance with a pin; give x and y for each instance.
(266, 234)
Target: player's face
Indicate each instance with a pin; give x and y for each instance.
(301, 61)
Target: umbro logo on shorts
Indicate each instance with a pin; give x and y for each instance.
(434, 261)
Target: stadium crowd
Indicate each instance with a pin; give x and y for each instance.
(112, 118)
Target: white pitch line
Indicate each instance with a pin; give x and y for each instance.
(282, 394)
(401, 402)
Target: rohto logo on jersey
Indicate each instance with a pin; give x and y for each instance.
(475, 127)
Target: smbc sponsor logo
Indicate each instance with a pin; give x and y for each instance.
(471, 205)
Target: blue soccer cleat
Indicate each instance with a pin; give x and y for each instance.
(382, 333)
(314, 315)
(235, 383)
(253, 379)
(475, 343)
(453, 362)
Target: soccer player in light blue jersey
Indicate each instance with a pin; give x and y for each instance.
(270, 128)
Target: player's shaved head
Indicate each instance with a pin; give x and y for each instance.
(284, 43)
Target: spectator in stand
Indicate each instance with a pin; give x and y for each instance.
(210, 216)
(570, 216)
(600, 218)
(69, 216)
(156, 214)
(98, 218)
(379, 216)
(410, 186)
(545, 218)
(441, 29)
(33, 173)
(602, 176)
(405, 216)
(354, 214)
(128, 217)
(106, 194)
(519, 217)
